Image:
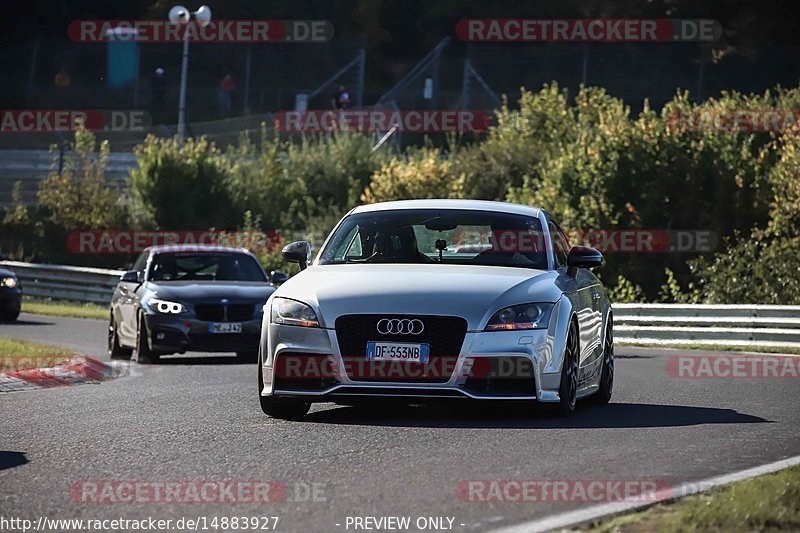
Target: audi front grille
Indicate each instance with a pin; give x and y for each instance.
(444, 334)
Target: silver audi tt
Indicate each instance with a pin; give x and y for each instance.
(424, 300)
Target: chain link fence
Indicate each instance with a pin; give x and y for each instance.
(270, 76)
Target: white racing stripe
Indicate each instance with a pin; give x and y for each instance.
(605, 510)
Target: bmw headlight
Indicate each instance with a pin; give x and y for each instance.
(527, 316)
(165, 306)
(9, 282)
(293, 313)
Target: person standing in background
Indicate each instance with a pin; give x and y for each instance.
(62, 79)
(341, 100)
(226, 88)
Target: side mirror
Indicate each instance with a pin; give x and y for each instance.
(131, 276)
(583, 257)
(297, 252)
(277, 277)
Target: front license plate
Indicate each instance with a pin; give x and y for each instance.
(225, 327)
(397, 351)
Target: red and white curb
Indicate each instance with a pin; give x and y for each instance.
(76, 371)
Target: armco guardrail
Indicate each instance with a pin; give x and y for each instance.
(59, 282)
(762, 326)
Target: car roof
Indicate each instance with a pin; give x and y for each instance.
(474, 205)
(166, 248)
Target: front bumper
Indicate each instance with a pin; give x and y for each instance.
(177, 333)
(501, 365)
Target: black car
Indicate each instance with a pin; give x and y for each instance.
(10, 295)
(189, 298)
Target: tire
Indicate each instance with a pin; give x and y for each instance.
(568, 390)
(247, 357)
(603, 394)
(282, 408)
(142, 353)
(115, 349)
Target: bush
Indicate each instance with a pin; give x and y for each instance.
(181, 186)
(256, 181)
(328, 174)
(764, 268)
(625, 292)
(419, 173)
(79, 197)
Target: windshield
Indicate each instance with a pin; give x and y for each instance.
(430, 236)
(195, 266)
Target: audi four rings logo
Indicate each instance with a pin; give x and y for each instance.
(399, 326)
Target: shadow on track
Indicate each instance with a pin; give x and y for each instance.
(613, 415)
(215, 359)
(11, 459)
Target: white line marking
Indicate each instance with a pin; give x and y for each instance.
(580, 516)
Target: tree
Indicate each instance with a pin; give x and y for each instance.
(80, 197)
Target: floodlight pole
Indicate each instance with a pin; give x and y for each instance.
(182, 98)
(181, 15)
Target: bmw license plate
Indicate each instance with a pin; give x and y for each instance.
(397, 351)
(225, 327)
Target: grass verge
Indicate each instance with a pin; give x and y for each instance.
(764, 503)
(716, 347)
(74, 310)
(21, 355)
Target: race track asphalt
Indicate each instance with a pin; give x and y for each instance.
(195, 418)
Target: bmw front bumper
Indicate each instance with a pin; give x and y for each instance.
(181, 333)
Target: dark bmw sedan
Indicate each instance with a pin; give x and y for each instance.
(189, 298)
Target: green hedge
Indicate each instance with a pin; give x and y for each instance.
(587, 159)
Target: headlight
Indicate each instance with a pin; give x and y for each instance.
(527, 316)
(165, 306)
(293, 313)
(9, 282)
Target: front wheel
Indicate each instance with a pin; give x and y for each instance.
(142, 353)
(279, 407)
(568, 390)
(603, 394)
(115, 349)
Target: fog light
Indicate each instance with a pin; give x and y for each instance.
(160, 336)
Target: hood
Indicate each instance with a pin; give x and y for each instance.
(211, 291)
(472, 292)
